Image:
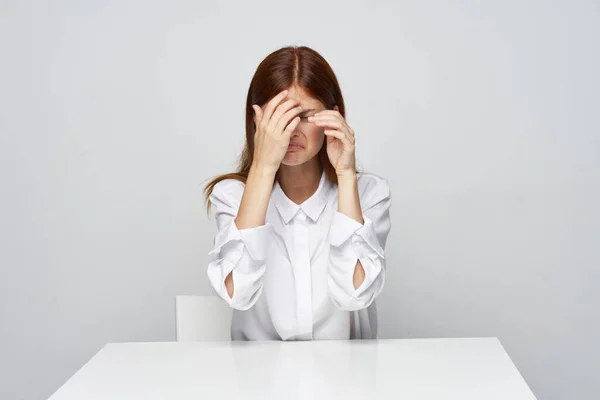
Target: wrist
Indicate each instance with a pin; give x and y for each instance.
(262, 170)
(346, 175)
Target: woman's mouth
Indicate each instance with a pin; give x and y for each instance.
(294, 147)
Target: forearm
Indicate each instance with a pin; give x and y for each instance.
(349, 204)
(357, 237)
(348, 200)
(255, 200)
(253, 206)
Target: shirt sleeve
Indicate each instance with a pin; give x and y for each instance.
(351, 241)
(240, 251)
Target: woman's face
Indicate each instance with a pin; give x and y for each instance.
(307, 139)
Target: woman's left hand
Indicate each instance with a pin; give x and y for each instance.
(340, 140)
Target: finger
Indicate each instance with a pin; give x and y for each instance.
(337, 134)
(273, 103)
(288, 105)
(337, 124)
(289, 130)
(328, 117)
(258, 113)
(285, 118)
(348, 145)
(329, 112)
(330, 122)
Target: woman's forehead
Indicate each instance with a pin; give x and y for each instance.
(302, 95)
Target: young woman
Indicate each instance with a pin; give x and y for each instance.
(299, 252)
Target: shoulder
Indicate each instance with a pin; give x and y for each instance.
(372, 188)
(227, 193)
(368, 181)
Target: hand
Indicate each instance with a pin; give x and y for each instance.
(340, 140)
(274, 127)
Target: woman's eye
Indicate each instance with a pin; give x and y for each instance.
(303, 117)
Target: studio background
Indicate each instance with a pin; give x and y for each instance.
(482, 115)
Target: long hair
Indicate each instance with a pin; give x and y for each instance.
(289, 66)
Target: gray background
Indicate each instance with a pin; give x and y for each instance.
(482, 115)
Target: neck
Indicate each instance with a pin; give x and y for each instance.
(299, 182)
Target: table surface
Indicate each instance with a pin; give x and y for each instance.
(460, 368)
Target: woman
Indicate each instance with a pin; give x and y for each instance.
(299, 252)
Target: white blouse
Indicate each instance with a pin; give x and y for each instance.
(293, 276)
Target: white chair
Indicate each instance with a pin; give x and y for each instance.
(202, 318)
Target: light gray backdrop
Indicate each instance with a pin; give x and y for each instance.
(482, 115)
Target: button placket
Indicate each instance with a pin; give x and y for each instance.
(302, 273)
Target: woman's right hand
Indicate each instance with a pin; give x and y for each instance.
(274, 127)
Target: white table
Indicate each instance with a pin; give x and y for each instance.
(474, 368)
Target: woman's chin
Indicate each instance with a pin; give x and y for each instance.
(293, 158)
(292, 162)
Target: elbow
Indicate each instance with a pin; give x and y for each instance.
(353, 289)
(239, 287)
(348, 298)
(246, 302)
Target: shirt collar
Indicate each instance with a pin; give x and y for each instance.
(313, 206)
